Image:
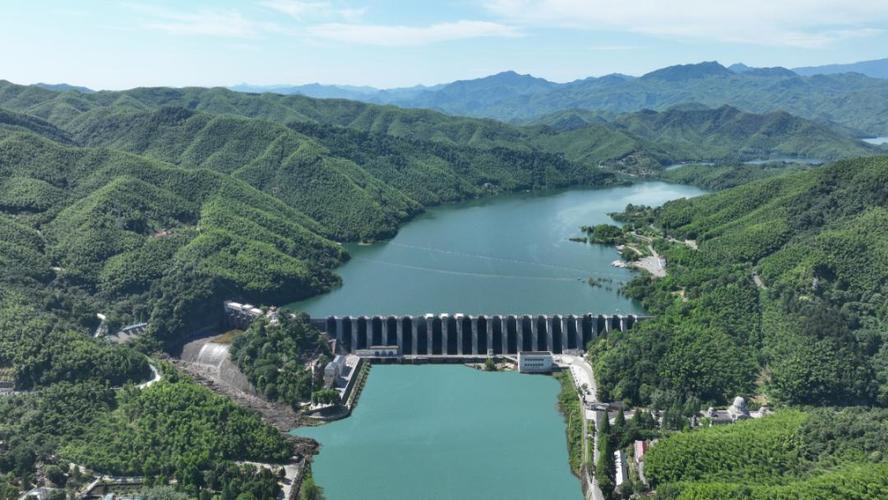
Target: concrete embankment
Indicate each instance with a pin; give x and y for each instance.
(213, 359)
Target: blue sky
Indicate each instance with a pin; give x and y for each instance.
(387, 43)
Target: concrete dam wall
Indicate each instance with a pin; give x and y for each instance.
(460, 334)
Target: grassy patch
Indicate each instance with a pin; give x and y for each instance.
(569, 406)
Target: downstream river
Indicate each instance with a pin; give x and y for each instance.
(504, 255)
(441, 432)
(449, 432)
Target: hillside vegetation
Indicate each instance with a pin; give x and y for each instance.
(158, 204)
(718, 177)
(141, 207)
(812, 332)
(577, 135)
(783, 302)
(819, 453)
(727, 133)
(157, 213)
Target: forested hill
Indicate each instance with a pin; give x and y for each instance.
(61, 108)
(148, 211)
(700, 133)
(132, 207)
(694, 132)
(140, 193)
(593, 142)
(785, 296)
(852, 100)
(592, 146)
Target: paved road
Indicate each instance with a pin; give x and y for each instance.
(587, 390)
(582, 374)
(154, 378)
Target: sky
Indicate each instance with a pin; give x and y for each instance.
(389, 43)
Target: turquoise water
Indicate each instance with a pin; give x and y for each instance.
(505, 255)
(877, 140)
(440, 432)
(449, 432)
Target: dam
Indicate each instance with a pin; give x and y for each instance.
(455, 334)
(503, 269)
(471, 335)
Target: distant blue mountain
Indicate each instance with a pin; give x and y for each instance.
(688, 72)
(742, 69)
(877, 68)
(854, 101)
(469, 93)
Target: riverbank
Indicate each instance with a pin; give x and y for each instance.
(570, 408)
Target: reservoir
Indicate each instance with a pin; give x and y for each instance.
(439, 432)
(445, 432)
(505, 255)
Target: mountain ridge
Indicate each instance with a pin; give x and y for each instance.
(875, 68)
(853, 100)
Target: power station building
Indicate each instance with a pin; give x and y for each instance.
(535, 362)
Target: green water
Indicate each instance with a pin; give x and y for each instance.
(439, 432)
(506, 255)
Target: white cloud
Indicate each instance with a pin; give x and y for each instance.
(799, 23)
(410, 35)
(301, 10)
(208, 22)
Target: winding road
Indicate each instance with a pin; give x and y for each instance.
(154, 379)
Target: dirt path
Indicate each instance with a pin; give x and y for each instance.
(653, 263)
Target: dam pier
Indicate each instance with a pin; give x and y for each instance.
(444, 335)
(467, 335)
(470, 335)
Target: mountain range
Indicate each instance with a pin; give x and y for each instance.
(611, 139)
(251, 192)
(156, 204)
(877, 68)
(852, 100)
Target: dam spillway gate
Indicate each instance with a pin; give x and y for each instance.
(465, 335)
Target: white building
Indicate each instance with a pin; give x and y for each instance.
(535, 362)
(621, 470)
(333, 370)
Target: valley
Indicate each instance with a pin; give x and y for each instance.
(735, 209)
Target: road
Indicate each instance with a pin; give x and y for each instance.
(154, 378)
(587, 390)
